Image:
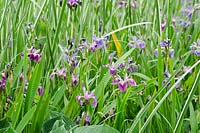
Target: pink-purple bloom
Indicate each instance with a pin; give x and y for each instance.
(97, 43)
(123, 84)
(112, 69)
(72, 3)
(34, 55)
(137, 43)
(86, 98)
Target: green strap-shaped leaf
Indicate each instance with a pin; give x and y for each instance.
(33, 85)
(28, 116)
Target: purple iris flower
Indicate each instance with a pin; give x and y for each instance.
(197, 52)
(195, 48)
(97, 43)
(155, 52)
(112, 69)
(86, 98)
(137, 43)
(40, 90)
(72, 3)
(165, 43)
(123, 84)
(34, 55)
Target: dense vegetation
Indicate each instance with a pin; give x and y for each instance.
(100, 66)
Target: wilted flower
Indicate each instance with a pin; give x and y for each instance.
(34, 55)
(163, 24)
(26, 87)
(60, 73)
(75, 79)
(21, 77)
(3, 81)
(167, 75)
(86, 98)
(87, 119)
(40, 90)
(111, 56)
(125, 2)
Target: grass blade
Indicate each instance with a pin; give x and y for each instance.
(196, 82)
(165, 96)
(28, 116)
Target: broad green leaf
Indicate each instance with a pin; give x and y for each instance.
(58, 95)
(193, 119)
(96, 129)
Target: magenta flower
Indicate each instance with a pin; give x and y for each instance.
(72, 3)
(60, 73)
(86, 98)
(121, 3)
(123, 84)
(34, 55)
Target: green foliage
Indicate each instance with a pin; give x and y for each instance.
(58, 92)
